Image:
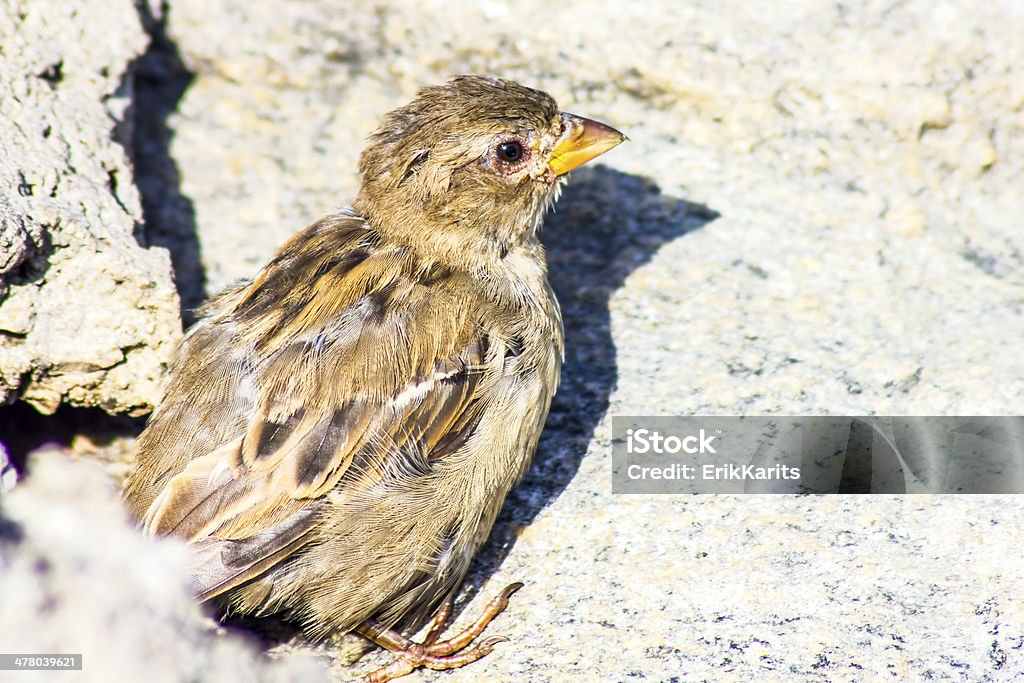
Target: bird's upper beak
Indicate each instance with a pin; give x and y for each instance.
(582, 140)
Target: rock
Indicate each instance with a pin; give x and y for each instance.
(75, 578)
(88, 314)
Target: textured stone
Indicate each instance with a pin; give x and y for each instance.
(88, 315)
(120, 603)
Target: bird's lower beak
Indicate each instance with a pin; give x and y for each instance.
(582, 140)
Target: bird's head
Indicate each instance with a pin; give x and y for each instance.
(475, 163)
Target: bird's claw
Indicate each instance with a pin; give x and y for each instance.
(455, 652)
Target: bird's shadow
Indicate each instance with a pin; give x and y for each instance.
(606, 225)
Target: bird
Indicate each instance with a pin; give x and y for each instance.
(338, 435)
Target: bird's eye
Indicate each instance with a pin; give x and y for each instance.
(510, 152)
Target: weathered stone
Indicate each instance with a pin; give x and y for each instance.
(88, 315)
(75, 578)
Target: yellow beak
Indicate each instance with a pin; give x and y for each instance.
(582, 140)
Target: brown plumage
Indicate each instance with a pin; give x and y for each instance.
(338, 435)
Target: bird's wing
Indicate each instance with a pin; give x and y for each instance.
(357, 372)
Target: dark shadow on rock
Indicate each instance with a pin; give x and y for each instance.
(606, 225)
(27, 256)
(23, 429)
(160, 81)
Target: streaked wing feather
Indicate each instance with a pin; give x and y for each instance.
(224, 564)
(243, 519)
(346, 360)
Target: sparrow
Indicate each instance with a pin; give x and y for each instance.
(338, 435)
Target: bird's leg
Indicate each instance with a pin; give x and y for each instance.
(438, 622)
(446, 654)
